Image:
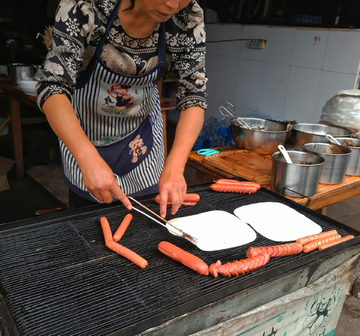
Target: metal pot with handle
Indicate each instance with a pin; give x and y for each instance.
(303, 133)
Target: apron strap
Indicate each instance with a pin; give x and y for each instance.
(162, 51)
(100, 46)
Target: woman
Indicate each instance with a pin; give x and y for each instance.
(99, 95)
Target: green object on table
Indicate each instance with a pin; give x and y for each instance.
(207, 151)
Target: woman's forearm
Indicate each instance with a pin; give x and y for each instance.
(98, 178)
(63, 120)
(172, 182)
(187, 131)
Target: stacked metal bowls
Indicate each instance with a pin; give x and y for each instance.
(299, 178)
(336, 160)
(263, 137)
(354, 162)
(303, 133)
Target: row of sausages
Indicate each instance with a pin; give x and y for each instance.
(256, 257)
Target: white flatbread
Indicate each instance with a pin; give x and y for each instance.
(277, 221)
(215, 230)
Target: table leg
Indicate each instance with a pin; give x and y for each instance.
(16, 135)
(322, 210)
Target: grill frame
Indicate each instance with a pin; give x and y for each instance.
(212, 289)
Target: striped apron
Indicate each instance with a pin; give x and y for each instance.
(121, 116)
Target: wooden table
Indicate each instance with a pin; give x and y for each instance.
(327, 194)
(16, 97)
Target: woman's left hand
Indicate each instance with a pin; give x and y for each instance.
(172, 181)
(171, 184)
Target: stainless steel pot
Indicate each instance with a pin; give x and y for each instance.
(354, 162)
(20, 71)
(303, 133)
(264, 137)
(336, 161)
(299, 178)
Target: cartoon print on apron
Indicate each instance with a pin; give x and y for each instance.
(121, 100)
(121, 115)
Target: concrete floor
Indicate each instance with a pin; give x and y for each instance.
(37, 191)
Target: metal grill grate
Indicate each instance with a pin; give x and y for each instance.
(58, 278)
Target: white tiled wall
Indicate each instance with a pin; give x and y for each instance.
(292, 78)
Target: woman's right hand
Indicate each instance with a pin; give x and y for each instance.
(98, 178)
(100, 181)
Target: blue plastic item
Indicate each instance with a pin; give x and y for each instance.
(207, 151)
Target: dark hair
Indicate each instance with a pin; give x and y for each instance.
(188, 8)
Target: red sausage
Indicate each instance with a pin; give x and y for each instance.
(190, 199)
(122, 228)
(106, 230)
(235, 182)
(184, 257)
(308, 239)
(214, 268)
(324, 246)
(128, 254)
(233, 188)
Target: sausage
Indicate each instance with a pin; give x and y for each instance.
(106, 230)
(190, 199)
(213, 269)
(128, 254)
(235, 182)
(122, 250)
(122, 228)
(239, 267)
(315, 244)
(233, 188)
(324, 246)
(308, 239)
(276, 250)
(186, 258)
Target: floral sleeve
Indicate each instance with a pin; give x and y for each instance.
(74, 27)
(78, 27)
(190, 63)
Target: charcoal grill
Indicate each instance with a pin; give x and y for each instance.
(58, 278)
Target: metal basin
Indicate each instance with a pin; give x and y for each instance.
(354, 162)
(298, 179)
(336, 161)
(315, 133)
(264, 137)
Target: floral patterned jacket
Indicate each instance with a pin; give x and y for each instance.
(78, 27)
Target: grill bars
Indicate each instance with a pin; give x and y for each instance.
(58, 278)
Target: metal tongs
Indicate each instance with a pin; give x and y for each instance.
(181, 232)
(229, 111)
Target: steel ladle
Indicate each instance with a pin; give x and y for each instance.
(331, 138)
(285, 154)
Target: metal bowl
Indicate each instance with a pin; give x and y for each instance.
(336, 160)
(28, 87)
(303, 133)
(354, 162)
(264, 137)
(299, 178)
